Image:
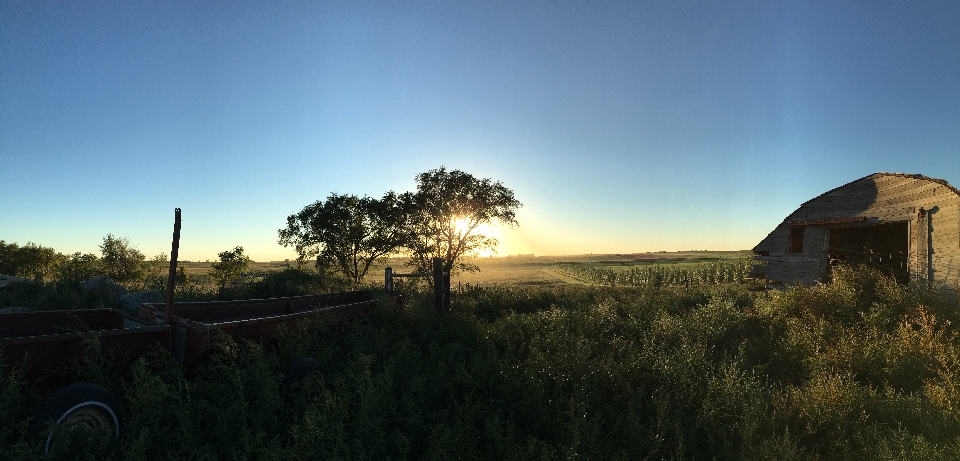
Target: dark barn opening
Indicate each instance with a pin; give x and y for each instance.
(882, 246)
(796, 239)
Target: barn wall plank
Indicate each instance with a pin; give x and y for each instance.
(853, 189)
(870, 192)
(945, 206)
(908, 188)
(945, 228)
(947, 269)
(918, 195)
(891, 179)
(902, 199)
(905, 188)
(943, 245)
(772, 245)
(792, 259)
(813, 240)
(946, 214)
(889, 212)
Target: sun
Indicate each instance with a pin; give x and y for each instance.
(462, 226)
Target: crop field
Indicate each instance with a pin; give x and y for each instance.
(549, 270)
(526, 270)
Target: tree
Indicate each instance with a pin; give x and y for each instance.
(232, 265)
(9, 264)
(447, 212)
(156, 270)
(181, 279)
(120, 261)
(346, 233)
(30, 261)
(79, 267)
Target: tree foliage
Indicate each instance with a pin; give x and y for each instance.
(29, 261)
(346, 233)
(120, 261)
(231, 266)
(78, 267)
(448, 210)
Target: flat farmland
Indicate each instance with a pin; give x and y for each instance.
(546, 270)
(524, 269)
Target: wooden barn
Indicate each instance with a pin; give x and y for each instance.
(905, 224)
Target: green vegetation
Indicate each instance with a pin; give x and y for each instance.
(120, 261)
(29, 261)
(711, 273)
(232, 264)
(448, 209)
(347, 233)
(59, 285)
(442, 219)
(862, 368)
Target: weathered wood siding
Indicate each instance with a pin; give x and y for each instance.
(934, 241)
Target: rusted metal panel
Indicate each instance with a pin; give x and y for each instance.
(46, 339)
(253, 319)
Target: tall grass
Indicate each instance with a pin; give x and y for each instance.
(65, 294)
(862, 368)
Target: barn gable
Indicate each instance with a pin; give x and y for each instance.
(907, 225)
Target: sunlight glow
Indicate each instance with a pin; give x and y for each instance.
(462, 226)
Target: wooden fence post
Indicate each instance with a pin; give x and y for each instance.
(446, 291)
(388, 280)
(438, 301)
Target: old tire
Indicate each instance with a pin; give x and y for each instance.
(299, 370)
(77, 405)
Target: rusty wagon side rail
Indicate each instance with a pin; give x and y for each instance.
(43, 340)
(192, 324)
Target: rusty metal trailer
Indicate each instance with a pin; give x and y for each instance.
(193, 323)
(43, 340)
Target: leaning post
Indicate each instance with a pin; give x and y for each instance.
(171, 279)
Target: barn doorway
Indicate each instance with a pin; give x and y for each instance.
(883, 246)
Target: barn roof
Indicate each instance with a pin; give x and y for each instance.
(901, 175)
(810, 202)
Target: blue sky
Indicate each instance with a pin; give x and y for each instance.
(622, 126)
